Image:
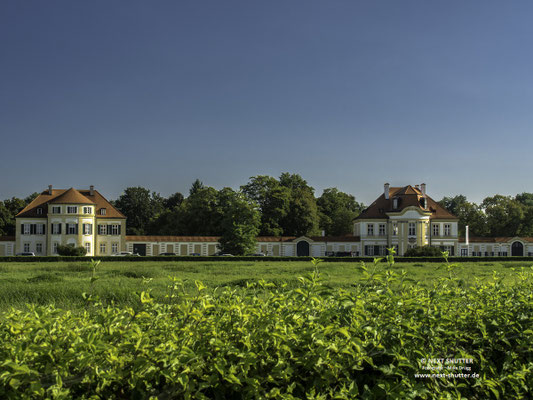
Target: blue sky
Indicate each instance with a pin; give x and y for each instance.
(348, 94)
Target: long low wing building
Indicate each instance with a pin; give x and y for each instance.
(401, 218)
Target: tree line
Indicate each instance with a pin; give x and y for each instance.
(271, 206)
(268, 206)
(495, 216)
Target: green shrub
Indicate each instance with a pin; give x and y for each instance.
(266, 341)
(423, 251)
(70, 250)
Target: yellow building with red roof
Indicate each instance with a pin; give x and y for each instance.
(70, 217)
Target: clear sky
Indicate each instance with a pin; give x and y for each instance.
(348, 94)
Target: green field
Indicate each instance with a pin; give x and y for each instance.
(63, 283)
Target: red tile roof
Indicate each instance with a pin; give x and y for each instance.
(70, 196)
(408, 196)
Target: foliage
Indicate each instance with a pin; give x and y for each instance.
(302, 216)
(337, 211)
(267, 341)
(273, 201)
(504, 215)
(423, 251)
(140, 207)
(239, 223)
(70, 250)
(9, 208)
(468, 213)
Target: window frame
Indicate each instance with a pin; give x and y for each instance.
(409, 230)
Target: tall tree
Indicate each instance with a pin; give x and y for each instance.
(196, 186)
(337, 211)
(468, 213)
(173, 201)
(453, 204)
(239, 223)
(273, 201)
(199, 214)
(11, 207)
(302, 217)
(505, 215)
(140, 208)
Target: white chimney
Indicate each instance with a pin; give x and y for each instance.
(50, 190)
(466, 235)
(423, 188)
(386, 191)
(91, 190)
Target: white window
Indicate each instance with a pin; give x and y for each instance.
(102, 229)
(72, 210)
(39, 211)
(26, 247)
(39, 248)
(40, 229)
(381, 229)
(395, 229)
(464, 252)
(87, 229)
(87, 210)
(88, 247)
(56, 229)
(26, 229)
(56, 209)
(436, 231)
(102, 211)
(370, 230)
(72, 229)
(115, 229)
(447, 230)
(114, 248)
(54, 248)
(412, 229)
(102, 248)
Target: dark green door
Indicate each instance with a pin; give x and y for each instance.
(517, 249)
(139, 248)
(302, 249)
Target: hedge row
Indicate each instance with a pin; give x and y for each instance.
(252, 258)
(382, 339)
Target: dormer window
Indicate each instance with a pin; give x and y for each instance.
(39, 211)
(102, 211)
(424, 202)
(395, 203)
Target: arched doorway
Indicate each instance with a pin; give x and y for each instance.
(302, 249)
(517, 249)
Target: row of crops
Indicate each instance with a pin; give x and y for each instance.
(384, 338)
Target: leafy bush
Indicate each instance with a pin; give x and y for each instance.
(267, 341)
(70, 250)
(423, 251)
